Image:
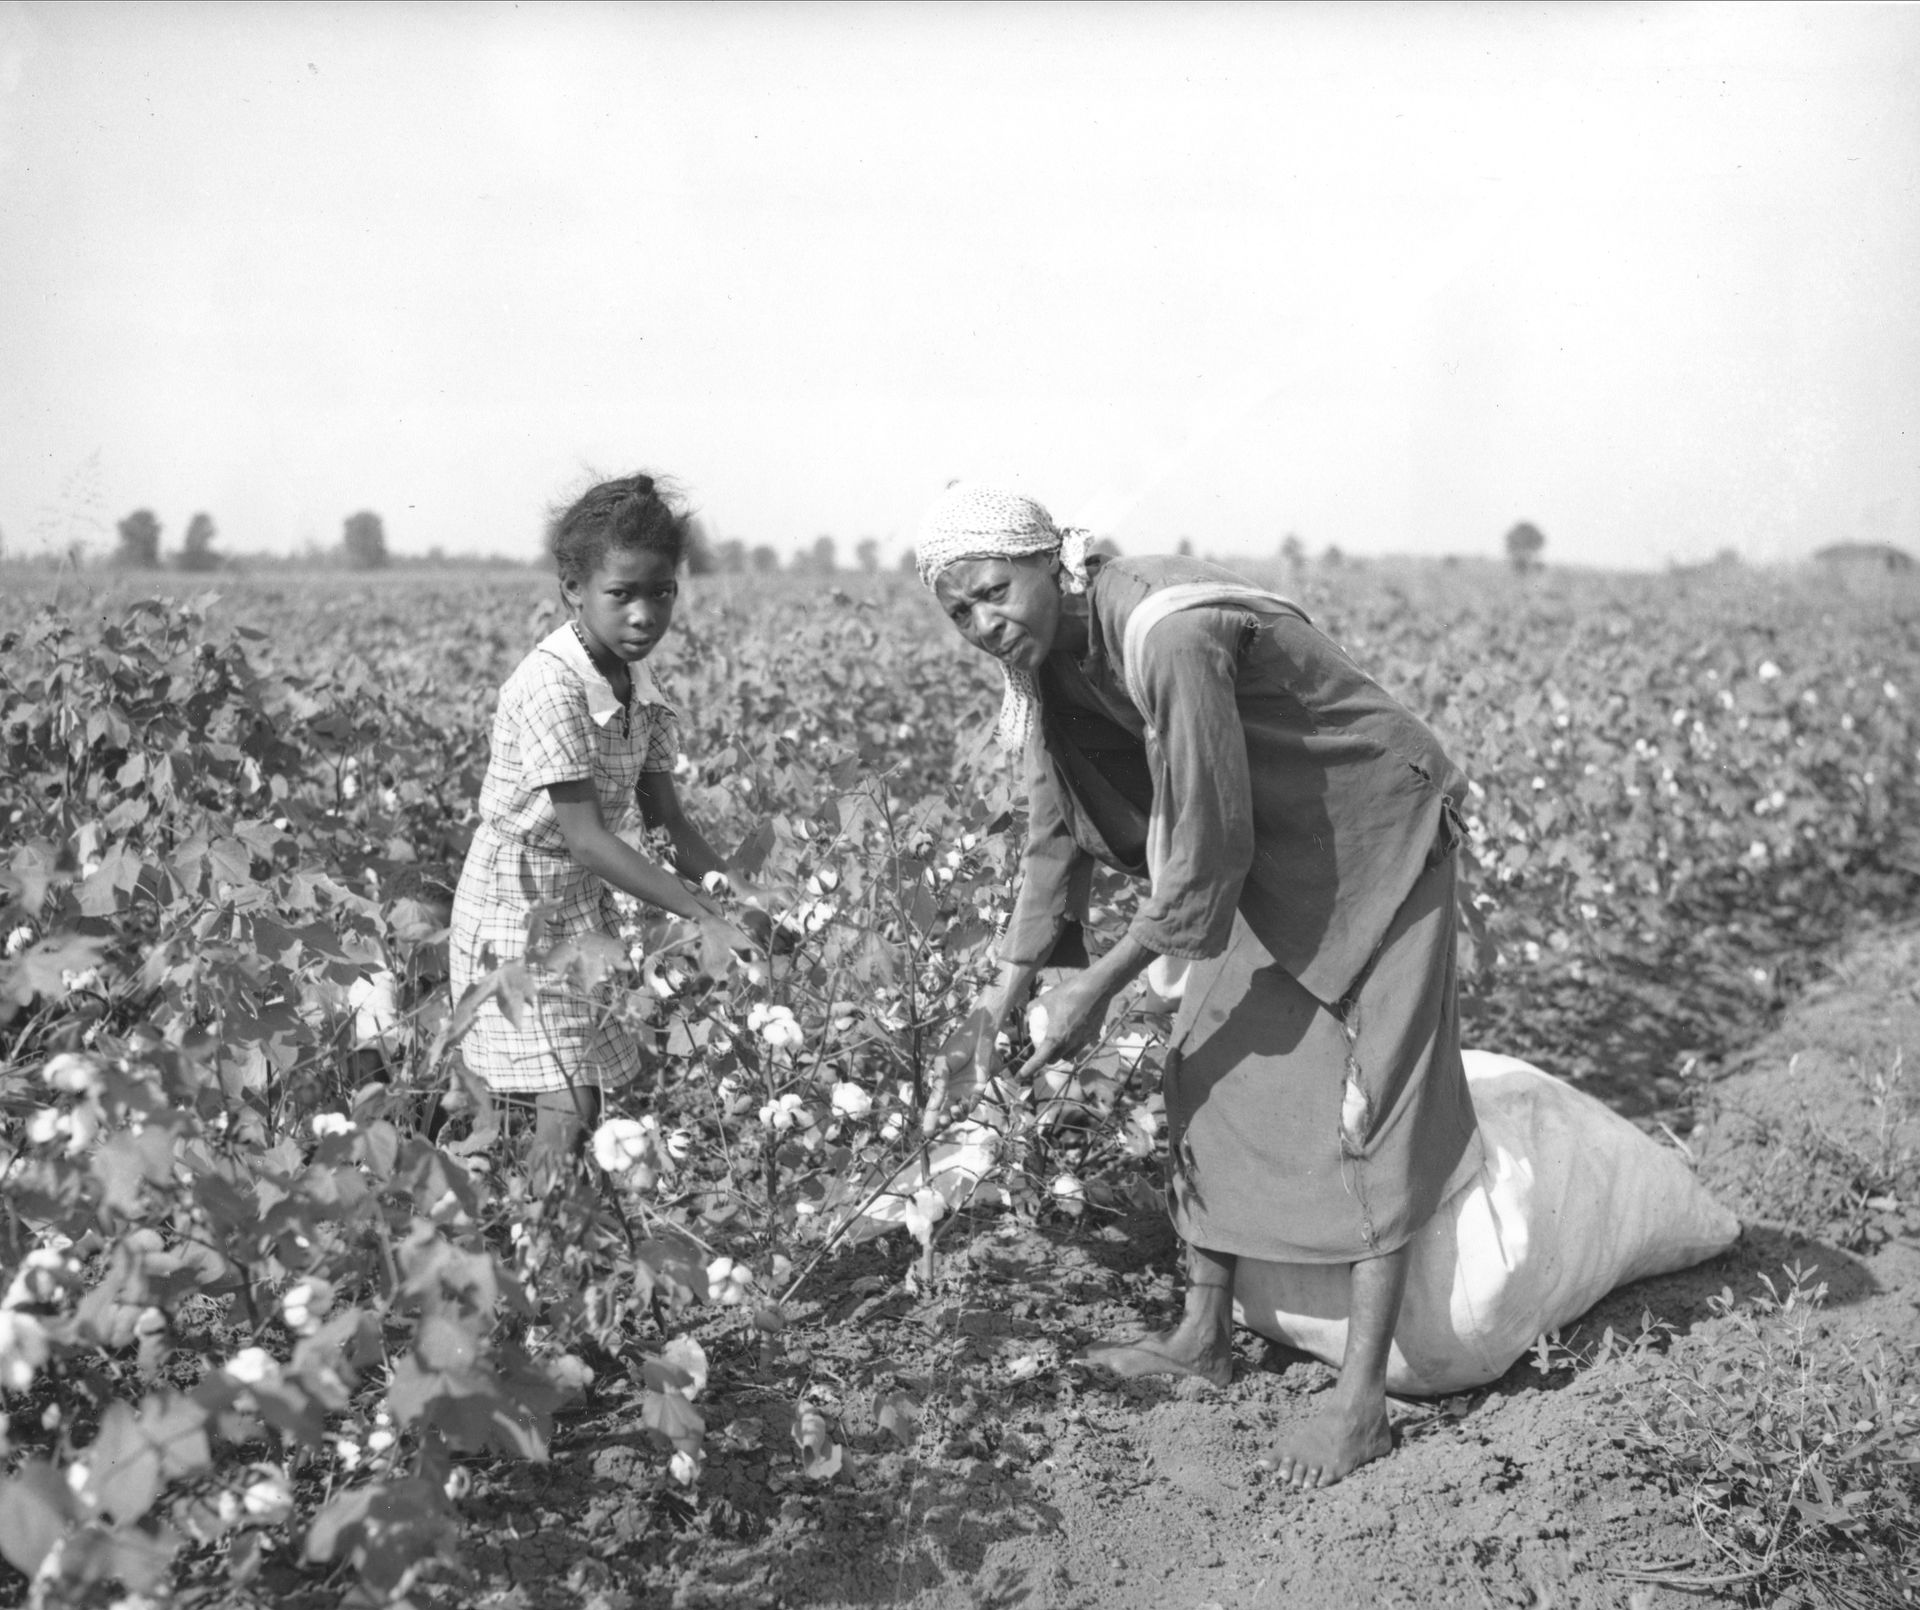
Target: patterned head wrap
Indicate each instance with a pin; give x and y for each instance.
(971, 521)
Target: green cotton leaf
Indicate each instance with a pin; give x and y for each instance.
(752, 854)
(228, 859)
(261, 837)
(414, 922)
(342, 1513)
(897, 1413)
(378, 1146)
(123, 1466)
(677, 1265)
(445, 1344)
(176, 1426)
(671, 1419)
(586, 959)
(26, 879)
(138, 1560)
(37, 969)
(288, 1406)
(35, 1509)
(410, 1388)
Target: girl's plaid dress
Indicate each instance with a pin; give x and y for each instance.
(558, 721)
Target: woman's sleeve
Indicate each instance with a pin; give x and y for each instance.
(556, 733)
(1203, 799)
(1055, 873)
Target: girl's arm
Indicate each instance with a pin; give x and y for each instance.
(577, 809)
(660, 809)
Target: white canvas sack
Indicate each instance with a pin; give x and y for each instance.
(1571, 1202)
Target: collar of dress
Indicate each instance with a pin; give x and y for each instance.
(602, 706)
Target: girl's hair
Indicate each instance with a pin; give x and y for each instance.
(636, 511)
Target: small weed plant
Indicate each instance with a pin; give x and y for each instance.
(1795, 1451)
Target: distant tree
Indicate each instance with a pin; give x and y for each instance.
(196, 551)
(1333, 556)
(139, 540)
(1726, 557)
(866, 554)
(1294, 551)
(910, 563)
(1184, 547)
(765, 559)
(1524, 543)
(823, 556)
(731, 555)
(366, 541)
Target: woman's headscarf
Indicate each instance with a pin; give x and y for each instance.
(971, 521)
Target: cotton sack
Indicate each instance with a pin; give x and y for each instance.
(1571, 1202)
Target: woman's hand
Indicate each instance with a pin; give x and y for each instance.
(970, 1056)
(1066, 1020)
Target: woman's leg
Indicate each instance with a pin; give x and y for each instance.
(1353, 1428)
(1201, 1344)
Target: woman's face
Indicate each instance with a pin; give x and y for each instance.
(1009, 608)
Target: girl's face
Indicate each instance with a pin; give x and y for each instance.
(1009, 608)
(626, 605)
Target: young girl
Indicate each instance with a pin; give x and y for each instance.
(581, 732)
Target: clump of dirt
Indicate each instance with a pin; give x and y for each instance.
(982, 1467)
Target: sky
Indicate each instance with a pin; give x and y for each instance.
(1388, 278)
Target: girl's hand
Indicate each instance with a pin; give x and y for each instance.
(1067, 1020)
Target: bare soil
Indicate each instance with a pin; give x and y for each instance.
(1029, 1483)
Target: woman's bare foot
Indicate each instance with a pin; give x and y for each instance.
(1334, 1443)
(1200, 1352)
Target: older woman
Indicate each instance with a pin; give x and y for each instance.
(1297, 826)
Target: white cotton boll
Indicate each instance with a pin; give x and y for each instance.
(375, 1016)
(1037, 1023)
(268, 1500)
(324, 1124)
(45, 1125)
(622, 1143)
(306, 1301)
(23, 1350)
(252, 1366)
(850, 1101)
(77, 1074)
(728, 1283)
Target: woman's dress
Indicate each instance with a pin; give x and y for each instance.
(1304, 824)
